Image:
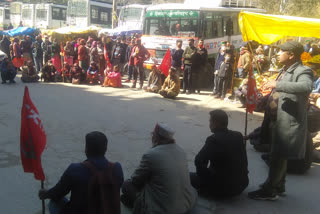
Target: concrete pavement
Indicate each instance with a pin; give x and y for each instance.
(127, 117)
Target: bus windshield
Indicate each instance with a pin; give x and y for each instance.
(128, 14)
(172, 23)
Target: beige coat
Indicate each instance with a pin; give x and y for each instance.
(164, 175)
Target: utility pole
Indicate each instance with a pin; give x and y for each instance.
(114, 13)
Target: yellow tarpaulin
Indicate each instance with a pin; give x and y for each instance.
(71, 30)
(267, 29)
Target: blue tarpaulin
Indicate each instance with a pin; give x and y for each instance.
(20, 31)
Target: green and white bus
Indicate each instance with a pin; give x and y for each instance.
(165, 23)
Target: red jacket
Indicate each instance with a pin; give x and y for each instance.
(82, 53)
(141, 54)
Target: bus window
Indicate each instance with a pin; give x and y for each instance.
(6, 13)
(26, 13)
(104, 17)
(172, 26)
(100, 15)
(131, 14)
(212, 25)
(42, 14)
(59, 13)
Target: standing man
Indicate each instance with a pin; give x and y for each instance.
(118, 55)
(287, 107)
(218, 61)
(140, 54)
(83, 55)
(47, 49)
(202, 59)
(37, 53)
(188, 55)
(130, 59)
(176, 57)
(5, 45)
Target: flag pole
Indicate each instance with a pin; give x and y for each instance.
(246, 118)
(43, 205)
(246, 126)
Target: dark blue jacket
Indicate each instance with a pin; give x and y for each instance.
(76, 179)
(176, 58)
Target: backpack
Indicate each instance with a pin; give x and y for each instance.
(103, 191)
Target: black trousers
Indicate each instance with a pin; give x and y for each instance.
(138, 70)
(187, 78)
(209, 187)
(222, 86)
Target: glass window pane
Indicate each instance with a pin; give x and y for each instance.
(41, 14)
(7, 14)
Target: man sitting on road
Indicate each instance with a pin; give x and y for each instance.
(227, 174)
(77, 177)
(161, 183)
(171, 86)
(154, 80)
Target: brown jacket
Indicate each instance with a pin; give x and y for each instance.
(172, 83)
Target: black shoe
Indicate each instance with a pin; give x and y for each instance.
(12, 81)
(3, 82)
(198, 92)
(183, 92)
(188, 92)
(281, 191)
(261, 194)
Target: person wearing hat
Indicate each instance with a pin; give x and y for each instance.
(227, 173)
(171, 86)
(118, 55)
(154, 80)
(188, 61)
(245, 62)
(287, 109)
(161, 183)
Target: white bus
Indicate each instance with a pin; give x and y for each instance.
(50, 16)
(165, 23)
(4, 17)
(132, 16)
(28, 15)
(83, 13)
(15, 13)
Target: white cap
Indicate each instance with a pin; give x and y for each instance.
(164, 130)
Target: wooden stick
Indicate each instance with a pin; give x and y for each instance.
(43, 205)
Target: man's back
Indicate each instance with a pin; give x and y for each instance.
(228, 159)
(76, 179)
(168, 190)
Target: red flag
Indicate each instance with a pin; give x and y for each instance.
(106, 57)
(166, 63)
(32, 138)
(252, 93)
